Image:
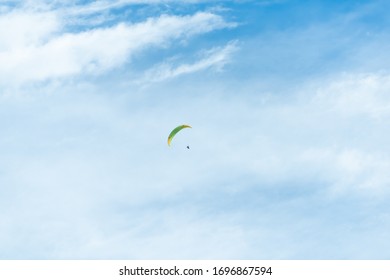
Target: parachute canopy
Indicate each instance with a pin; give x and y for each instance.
(175, 131)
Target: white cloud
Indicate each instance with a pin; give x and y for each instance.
(215, 58)
(349, 170)
(336, 130)
(106, 155)
(361, 94)
(95, 51)
(20, 29)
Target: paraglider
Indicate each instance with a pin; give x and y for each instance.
(175, 131)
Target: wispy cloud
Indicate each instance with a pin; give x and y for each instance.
(84, 8)
(215, 58)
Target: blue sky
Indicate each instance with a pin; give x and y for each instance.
(289, 104)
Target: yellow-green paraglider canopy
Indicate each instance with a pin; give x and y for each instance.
(175, 131)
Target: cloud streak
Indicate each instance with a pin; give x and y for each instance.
(215, 58)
